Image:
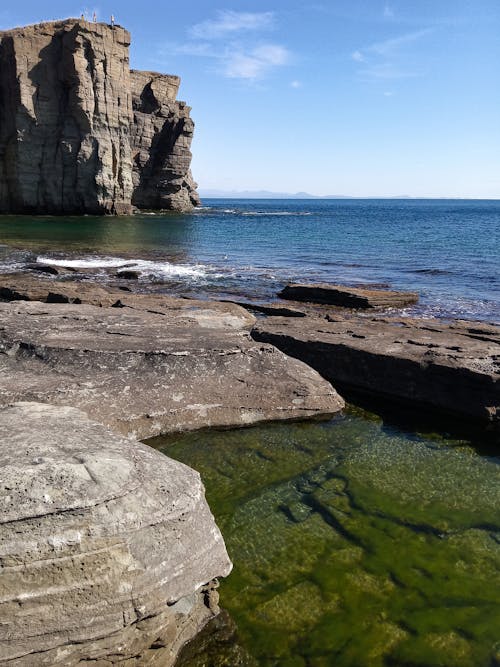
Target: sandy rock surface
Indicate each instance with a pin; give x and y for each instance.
(106, 545)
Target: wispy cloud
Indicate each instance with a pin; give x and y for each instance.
(390, 58)
(231, 22)
(389, 46)
(256, 63)
(296, 84)
(388, 12)
(388, 72)
(358, 57)
(233, 41)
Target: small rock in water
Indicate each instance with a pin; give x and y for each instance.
(348, 297)
(128, 274)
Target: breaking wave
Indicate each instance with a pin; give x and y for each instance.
(143, 266)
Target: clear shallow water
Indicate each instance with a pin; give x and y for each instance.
(449, 251)
(354, 545)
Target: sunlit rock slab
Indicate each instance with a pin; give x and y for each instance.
(147, 372)
(106, 546)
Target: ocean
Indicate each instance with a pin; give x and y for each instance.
(447, 250)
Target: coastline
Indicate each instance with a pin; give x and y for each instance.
(262, 429)
(449, 369)
(150, 364)
(446, 251)
(154, 347)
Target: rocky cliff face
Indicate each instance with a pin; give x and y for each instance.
(80, 133)
(161, 137)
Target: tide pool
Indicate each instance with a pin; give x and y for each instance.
(354, 544)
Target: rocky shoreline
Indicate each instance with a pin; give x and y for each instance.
(103, 543)
(449, 368)
(87, 367)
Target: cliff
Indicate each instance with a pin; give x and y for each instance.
(161, 135)
(80, 133)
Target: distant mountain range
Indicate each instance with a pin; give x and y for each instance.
(267, 194)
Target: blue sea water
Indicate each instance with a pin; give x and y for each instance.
(447, 250)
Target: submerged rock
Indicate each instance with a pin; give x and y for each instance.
(107, 547)
(354, 544)
(154, 365)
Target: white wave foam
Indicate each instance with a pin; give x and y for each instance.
(160, 269)
(281, 213)
(90, 263)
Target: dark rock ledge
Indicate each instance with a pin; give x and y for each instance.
(451, 369)
(348, 297)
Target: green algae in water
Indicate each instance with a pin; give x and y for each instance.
(353, 545)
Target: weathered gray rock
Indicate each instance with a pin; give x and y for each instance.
(68, 140)
(22, 287)
(172, 365)
(161, 138)
(106, 545)
(449, 368)
(347, 297)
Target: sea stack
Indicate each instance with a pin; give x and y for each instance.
(81, 133)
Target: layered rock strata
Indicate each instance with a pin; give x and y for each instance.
(80, 133)
(449, 368)
(153, 365)
(348, 297)
(108, 548)
(161, 136)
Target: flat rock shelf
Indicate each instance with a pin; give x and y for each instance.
(153, 365)
(452, 369)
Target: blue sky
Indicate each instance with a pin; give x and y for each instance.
(348, 97)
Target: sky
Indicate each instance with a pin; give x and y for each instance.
(340, 97)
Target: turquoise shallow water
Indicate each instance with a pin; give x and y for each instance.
(447, 250)
(355, 544)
